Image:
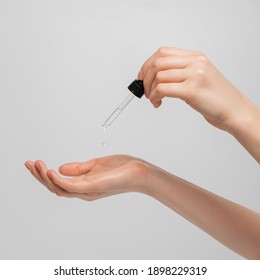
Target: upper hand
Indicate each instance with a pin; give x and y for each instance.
(189, 75)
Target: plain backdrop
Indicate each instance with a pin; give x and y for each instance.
(64, 67)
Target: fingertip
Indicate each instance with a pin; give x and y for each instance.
(27, 165)
(64, 169)
(50, 174)
(140, 75)
(157, 104)
(37, 164)
(70, 169)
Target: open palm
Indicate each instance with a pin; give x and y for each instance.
(93, 179)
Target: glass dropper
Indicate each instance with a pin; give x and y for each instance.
(137, 89)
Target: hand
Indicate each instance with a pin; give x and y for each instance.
(93, 179)
(112, 175)
(190, 76)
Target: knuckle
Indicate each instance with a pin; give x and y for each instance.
(199, 53)
(200, 74)
(200, 70)
(159, 77)
(161, 51)
(157, 64)
(202, 59)
(160, 90)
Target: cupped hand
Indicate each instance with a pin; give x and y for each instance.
(190, 76)
(93, 179)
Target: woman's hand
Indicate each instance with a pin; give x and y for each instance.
(112, 175)
(94, 179)
(189, 75)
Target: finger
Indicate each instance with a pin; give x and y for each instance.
(167, 51)
(174, 90)
(76, 168)
(106, 181)
(39, 176)
(42, 170)
(157, 104)
(31, 166)
(80, 184)
(170, 76)
(164, 52)
(67, 184)
(147, 64)
(164, 64)
(27, 164)
(52, 186)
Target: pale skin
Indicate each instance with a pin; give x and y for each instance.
(189, 76)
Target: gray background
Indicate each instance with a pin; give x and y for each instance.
(64, 66)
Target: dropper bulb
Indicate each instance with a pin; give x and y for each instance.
(137, 88)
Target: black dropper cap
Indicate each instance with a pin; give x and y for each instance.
(137, 88)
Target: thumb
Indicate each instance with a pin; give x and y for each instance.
(76, 168)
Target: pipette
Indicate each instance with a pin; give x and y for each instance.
(137, 89)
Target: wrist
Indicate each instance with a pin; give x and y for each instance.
(156, 180)
(245, 120)
(246, 123)
(246, 129)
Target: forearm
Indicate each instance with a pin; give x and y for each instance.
(231, 224)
